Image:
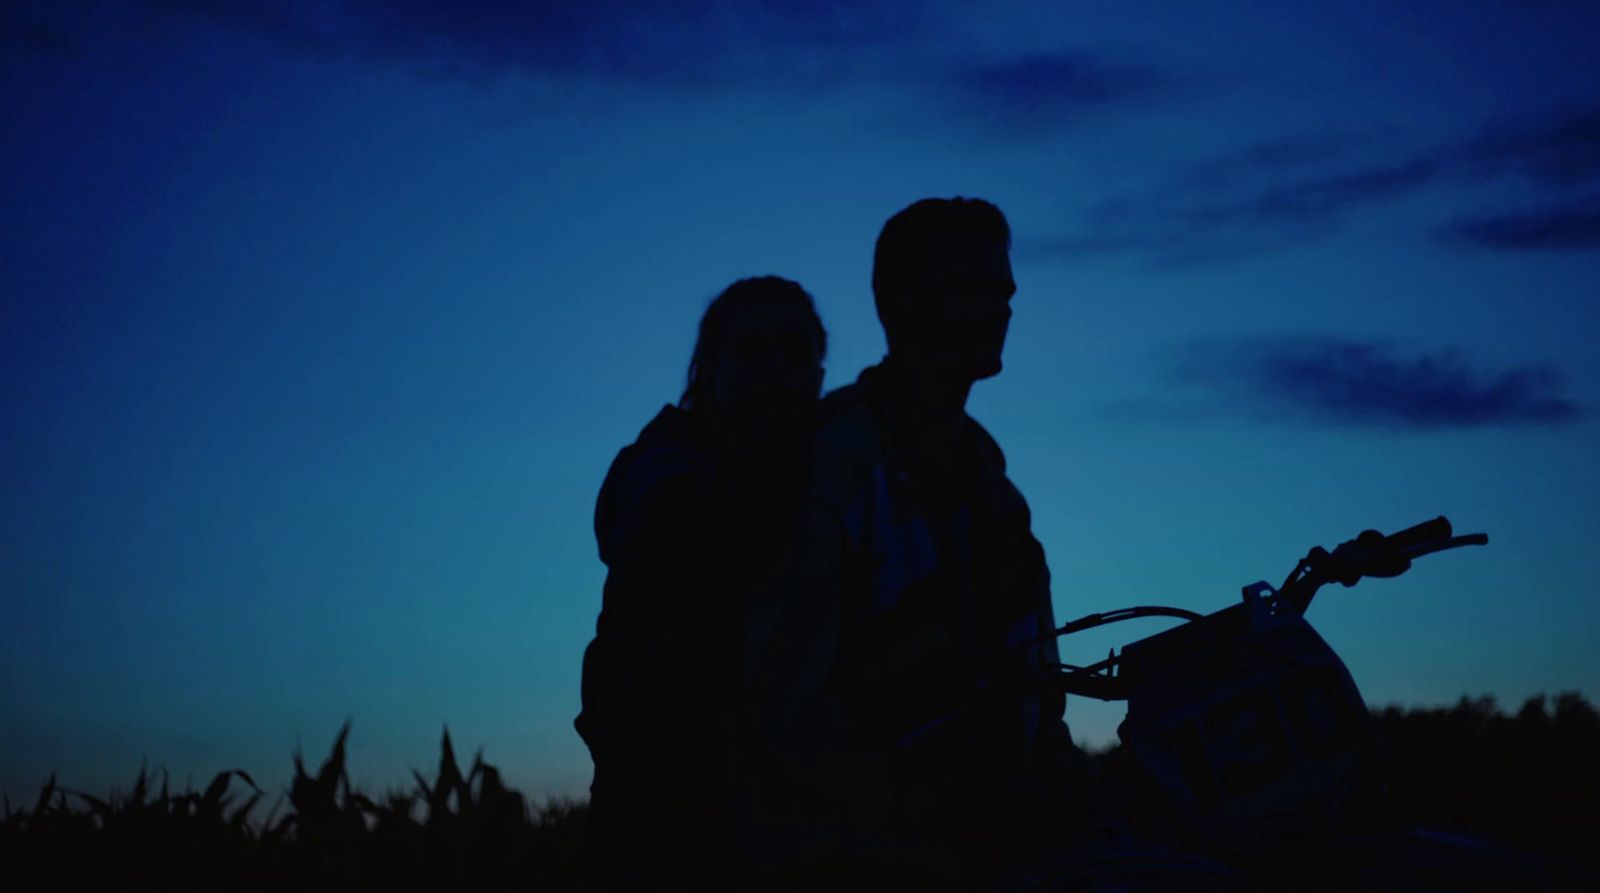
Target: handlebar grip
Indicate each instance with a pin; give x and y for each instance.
(1427, 531)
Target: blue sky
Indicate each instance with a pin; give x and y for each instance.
(322, 322)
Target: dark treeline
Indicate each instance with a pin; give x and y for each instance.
(1529, 779)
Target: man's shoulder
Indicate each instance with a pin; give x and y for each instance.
(984, 450)
(998, 492)
(850, 431)
(847, 428)
(846, 452)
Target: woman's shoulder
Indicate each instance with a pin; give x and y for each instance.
(664, 471)
(672, 445)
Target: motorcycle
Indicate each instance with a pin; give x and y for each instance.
(1247, 744)
(1246, 717)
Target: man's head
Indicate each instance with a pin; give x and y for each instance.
(758, 359)
(941, 279)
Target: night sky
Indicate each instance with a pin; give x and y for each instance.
(320, 324)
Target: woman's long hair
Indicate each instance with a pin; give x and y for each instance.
(753, 291)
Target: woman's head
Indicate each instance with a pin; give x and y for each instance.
(758, 358)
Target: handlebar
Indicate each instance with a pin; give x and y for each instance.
(1427, 531)
(1471, 539)
(1370, 554)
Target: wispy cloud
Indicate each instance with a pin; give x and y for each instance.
(26, 28)
(1560, 151)
(1286, 157)
(1319, 197)
(1044, 92)
(1353, 383)
(1181, 225)
(647, 41)
(1277, 193)
(917, 49)
(291, 25)
(1560, 227)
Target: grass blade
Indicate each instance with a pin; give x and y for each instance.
(44, 796)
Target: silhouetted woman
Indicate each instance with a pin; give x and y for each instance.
(689, 522)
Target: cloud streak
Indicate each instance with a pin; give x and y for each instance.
(1045, 92)
(1560, 227)
(916, 48)
(26, 29)
(650, 42)
(1560, 151)
(689, 42)
(1277, 193)
(1338, 382)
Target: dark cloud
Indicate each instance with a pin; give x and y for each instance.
(915, 47)
(1044, 92)
(1182, 225)
(26, 29)
(1347, 382)
(1168, 248)
(283, 23)
(657, 42)
(1562, 227)
(1274, 194)
(1233, 212)
(1317, 197)
(706, 43)
(1561, 151)
(1280, 157)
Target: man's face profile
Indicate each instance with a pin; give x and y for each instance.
(964, 298)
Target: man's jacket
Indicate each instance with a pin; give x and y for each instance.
(897, 682)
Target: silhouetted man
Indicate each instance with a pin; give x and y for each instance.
(902, 716)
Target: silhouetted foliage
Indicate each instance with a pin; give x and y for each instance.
(1529, 779)
(474, 833)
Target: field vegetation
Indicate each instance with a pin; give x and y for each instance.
(1530, 779)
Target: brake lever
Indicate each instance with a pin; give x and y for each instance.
(1455, 542)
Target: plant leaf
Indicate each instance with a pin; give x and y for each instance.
(44, 795)
(211, 800)
(449, 779)
(328, 775)
(237, 820)
(136, 799)
(97, 806)
(275, 804)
